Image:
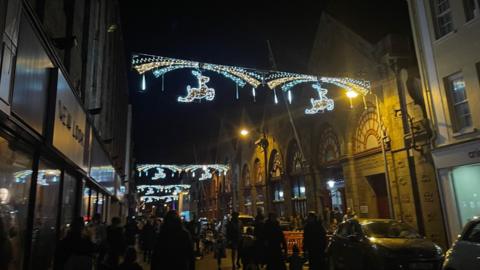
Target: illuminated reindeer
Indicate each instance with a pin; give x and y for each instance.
(321, 104)
(201, 92)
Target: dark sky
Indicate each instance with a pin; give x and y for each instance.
(230, 33)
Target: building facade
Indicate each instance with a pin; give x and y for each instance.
(447, 42)
(369, 154)
(63, 122)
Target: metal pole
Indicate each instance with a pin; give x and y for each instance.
(385, 162)
(265, 155)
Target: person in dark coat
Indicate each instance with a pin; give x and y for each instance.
(6, 253)
(116, 244)
(147, 240)
(174, 246)
(259, 238)
(76, 250)
(314, 241)
(131, 231)
(233, 237)
(276, 246)
(130, 260)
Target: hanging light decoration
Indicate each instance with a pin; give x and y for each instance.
(289, 96)
(144, 83)
(275, 98)
(322, 103)
(253, 93)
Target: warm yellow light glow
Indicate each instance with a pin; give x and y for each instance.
(352, 94)
(244, 132)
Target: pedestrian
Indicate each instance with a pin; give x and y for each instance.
(193, 226)
(327, 217)
(314, 241)
(295, 262)
(116, 244)
(247, 250)
(219, 249)
(258, 233)
(98, 232)
(233, 237)
(131, 231)
(350, 214)
(276, 246)
(130, 260)
(147, 240)
(174, 246)
(76, 250)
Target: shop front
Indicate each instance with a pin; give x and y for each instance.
(45, 166)
(458, 169)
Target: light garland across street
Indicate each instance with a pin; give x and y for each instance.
(241, 76)
(207, 170)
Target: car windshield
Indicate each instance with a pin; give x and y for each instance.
(389, 229)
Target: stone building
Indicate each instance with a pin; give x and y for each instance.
(447, 43)
(369, 154)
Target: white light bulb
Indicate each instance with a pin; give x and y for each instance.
(289, 96)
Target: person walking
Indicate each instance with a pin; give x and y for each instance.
(295, 262)
(116, 244)
(247, 250)
(314, 241)
(130, 260)
(147, 240)
(276, 246)
(258, 233)
(174, 246)
(219, 249)
(131, 231)
(76, 250)
(233, 237)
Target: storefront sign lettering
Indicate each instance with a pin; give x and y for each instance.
(68, 121)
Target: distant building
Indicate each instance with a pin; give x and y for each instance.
(64, 121)
(447, 42)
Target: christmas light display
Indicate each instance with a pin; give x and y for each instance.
(201, 92)
(160, 172)
(322, 103)
(159, 66)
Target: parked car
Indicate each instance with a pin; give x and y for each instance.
(465, 252)
(381, 244)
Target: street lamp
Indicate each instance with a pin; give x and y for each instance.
(262, 143)
(353, 94)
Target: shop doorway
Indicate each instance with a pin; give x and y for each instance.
(378, 182)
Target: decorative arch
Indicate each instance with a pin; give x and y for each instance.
(329, 147)
(368, 133)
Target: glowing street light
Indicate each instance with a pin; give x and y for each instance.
(331, 184)
(244, 132)
(352, 94)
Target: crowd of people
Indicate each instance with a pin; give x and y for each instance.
(171, 243)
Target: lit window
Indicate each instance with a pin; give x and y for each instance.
(442, 16)
(460, 110)
(472, 9)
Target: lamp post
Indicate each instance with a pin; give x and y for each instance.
(263, 144)
(351, 94)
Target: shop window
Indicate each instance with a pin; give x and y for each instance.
(44, 232)
(15, 178)
(459, 107)
(68, 202)
(85, 203)
(442, 16)
(472, 9)
(466, 188)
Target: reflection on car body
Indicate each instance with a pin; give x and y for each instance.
(381, 244)
(465, 252)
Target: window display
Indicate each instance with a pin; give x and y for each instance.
(15, 178)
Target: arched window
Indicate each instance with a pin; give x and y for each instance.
(329, 148)
(258, 171)
(368, 134)
(297, 180)
(246, 176)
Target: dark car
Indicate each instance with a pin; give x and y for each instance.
(381, 244)
(465, 252)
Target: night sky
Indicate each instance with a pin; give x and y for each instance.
(230, 33)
